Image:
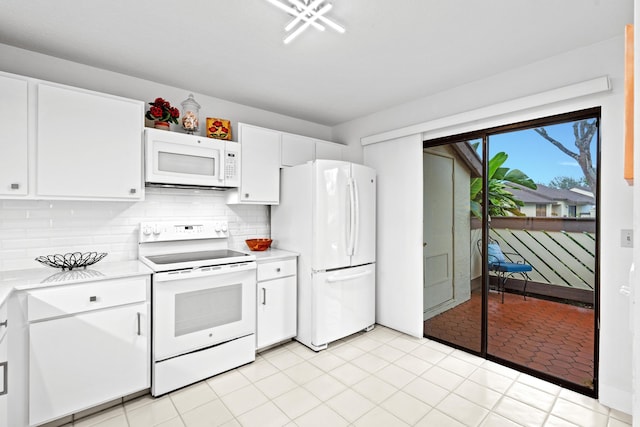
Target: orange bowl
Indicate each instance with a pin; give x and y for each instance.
(258, 244)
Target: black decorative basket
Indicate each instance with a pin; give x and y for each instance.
(71, 260)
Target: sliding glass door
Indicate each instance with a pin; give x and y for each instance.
(511, 245)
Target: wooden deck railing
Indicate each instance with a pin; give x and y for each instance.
(562, 252)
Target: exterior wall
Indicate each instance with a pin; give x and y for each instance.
(462, 246)
(601, 59)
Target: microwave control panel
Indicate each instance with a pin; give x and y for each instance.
(232, 166)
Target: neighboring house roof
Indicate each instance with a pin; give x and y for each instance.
(544, 194)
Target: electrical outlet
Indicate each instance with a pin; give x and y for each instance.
(626, 238)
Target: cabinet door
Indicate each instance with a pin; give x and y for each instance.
(297, 149)
(328, 150)
(89, 145)
(80, 361)
(13, 137)
(260, 171)
(4, 366)
(276, 311)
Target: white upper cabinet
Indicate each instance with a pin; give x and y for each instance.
(297, 149)
(14, 173)
(329, 150)
(88, 144)
(61, 142)
(260, 167)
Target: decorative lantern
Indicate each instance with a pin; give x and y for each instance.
(190, 110)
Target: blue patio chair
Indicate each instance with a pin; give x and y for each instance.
(503, 265)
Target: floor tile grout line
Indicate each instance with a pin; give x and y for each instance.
(518, 379)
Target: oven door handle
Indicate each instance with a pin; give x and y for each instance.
(168, 276)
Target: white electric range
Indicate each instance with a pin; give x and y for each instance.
(203, 302)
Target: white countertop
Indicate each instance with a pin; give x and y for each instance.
(34, 278)
(45, 277)
(273, 254)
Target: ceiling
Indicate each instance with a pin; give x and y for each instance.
(392, 52)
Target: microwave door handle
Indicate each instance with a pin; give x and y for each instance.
(220, 169)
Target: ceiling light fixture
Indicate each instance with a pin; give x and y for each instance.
(306, 13)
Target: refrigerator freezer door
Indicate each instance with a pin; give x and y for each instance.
(364, 184)
(331, 214)
(343, 303)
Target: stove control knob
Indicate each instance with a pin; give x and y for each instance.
(146, 230)
(217, 227)
(156, 229)
(224, 227)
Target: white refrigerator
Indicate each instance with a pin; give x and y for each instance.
(327, 214)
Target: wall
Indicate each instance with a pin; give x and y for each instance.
(634, 284)
(30, 228)
(589, 62)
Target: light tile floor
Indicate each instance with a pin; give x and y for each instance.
(378, 378)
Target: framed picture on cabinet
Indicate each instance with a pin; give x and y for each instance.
(218, 128)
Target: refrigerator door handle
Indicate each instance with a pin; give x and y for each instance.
(352, 217)
(356, 233)
(334, 279)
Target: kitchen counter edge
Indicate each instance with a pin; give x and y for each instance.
(37, 278)
(273, 254)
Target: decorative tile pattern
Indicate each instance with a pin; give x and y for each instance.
(550, 337)
(358, 386)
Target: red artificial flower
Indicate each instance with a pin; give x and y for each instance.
(225, 130)
(213, 129)
(161, 110)
(217, 123)
(156, 111)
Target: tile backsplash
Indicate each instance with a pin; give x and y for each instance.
(30, 228)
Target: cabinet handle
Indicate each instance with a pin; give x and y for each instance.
(246, 195)
(15, 186)
(278, 270)
(139, 333)
(133, 191)
(93, 298)
(264, 296)
(5, 384)
(4, 323)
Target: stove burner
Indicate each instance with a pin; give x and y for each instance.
(194, 256)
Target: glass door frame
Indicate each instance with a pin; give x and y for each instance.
(483, 135)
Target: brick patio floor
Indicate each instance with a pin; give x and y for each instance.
(550, 337)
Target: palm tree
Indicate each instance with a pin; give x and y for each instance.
(501, 201)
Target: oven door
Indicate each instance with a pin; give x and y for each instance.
(202, 307)
(180, 159)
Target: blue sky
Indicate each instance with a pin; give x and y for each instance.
(536, 156)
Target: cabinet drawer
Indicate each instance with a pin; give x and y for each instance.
(275, 269)
(63, 300)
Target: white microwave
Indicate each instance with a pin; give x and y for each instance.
(178, 159)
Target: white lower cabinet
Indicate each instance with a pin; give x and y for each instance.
(88, 344)
(276, 302)
(4, 366)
